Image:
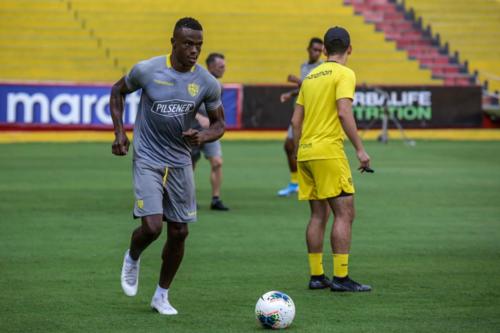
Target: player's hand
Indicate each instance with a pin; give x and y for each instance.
(293, 79)
(285, 97)
(364, 160)
(121, 144)
(192, 137)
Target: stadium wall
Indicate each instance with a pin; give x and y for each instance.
(81, 106)
(32, 106)
(414, 106)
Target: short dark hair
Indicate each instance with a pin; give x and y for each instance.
(212, 56)
(336, 47)
(315, 40)
(188, 22)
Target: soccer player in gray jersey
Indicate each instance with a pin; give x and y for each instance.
(216, 65)
(314, 50)
(173, 89)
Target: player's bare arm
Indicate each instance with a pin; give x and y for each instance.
(293, 93)
(213, 132)
(294, 79)
(297, 120)
(344, 106)
(116, 102)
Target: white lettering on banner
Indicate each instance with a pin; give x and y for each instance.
(100, 110)
(71, 117)
(78, 108)
(28, 103)
(88, 101)
(133, 106)
(393, 98)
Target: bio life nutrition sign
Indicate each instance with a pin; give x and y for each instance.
(419, 106)
(409, 105)
(79, 105)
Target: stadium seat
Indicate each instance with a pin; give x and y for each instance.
(43, 40)
(471, 28)
(399, 26)
(264, 41)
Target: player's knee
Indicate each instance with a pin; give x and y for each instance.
(216, 162)
(318, 218)
(178, 232)
(352, 215)
(152, 228)
(347, 216)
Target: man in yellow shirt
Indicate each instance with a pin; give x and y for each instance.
(322, 117)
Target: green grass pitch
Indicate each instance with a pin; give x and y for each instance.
(426, 237)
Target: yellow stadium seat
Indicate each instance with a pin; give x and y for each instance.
(470, 27)
(264, 41)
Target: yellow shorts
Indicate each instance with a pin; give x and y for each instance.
(322, 179)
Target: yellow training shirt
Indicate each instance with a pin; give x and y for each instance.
(322, 133)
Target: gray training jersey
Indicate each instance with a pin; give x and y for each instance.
(306, 67)
(203, 111)
(169, 102)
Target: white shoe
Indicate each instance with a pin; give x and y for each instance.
(130, 276)
(161, 304)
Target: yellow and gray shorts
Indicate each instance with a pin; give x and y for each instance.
(166, 191)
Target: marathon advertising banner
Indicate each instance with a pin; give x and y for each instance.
(81, 106)
(411, 106)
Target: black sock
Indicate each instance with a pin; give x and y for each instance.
(318, 277)
(215, 198)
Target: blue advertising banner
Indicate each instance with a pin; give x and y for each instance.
(82, 106)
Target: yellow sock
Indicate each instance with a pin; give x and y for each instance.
(340, 265)
(293, 177)
(316, 263)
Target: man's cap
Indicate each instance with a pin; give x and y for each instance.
(337, 33)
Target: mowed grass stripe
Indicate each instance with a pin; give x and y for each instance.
(426, 236)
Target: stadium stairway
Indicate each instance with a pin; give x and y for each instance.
(264, 41)
(399, 26)
(470, 28)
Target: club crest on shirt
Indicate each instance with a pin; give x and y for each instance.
(193, 89)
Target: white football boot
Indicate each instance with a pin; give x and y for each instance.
(161, 304)
(130, 276)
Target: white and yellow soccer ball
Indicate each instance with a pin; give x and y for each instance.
(275, 310)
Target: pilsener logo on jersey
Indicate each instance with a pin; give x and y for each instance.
(172, 108)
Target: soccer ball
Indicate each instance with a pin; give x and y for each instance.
(275, 310)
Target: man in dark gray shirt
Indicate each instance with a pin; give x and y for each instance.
(173, 89)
